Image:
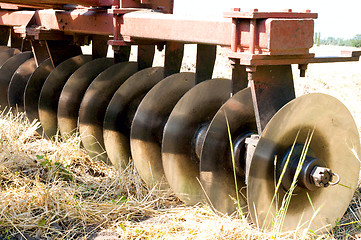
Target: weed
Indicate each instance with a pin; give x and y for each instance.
(239, 208)
(57, 167)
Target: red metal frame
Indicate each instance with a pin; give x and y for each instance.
(255, 38)
(165, 6)
(261, 45)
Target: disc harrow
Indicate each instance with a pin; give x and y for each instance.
(243, 144)
(121, 110)
(233, 123)
(73, 92)
(18, 83)
(95, 101)
(33, 88)
(7, 71)
(148, 124)
(51, 91)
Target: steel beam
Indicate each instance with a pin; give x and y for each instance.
(272, 87)
(206, 58)
(99, 46)
(239, 76)
(40, 51)
(4, 35)
(55, 3)
(273, 36)
(165, 6)
(121, 53)
(173, 58)
(145, 56)
(61, 50)
(258, 41)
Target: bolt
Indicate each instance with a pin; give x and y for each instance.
(287, 10)
(236, 9)
(321, 176)
(254, 10)
(250, 70)
(308, 11)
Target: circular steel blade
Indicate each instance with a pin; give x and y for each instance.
(73, 93)
(193, 111)
(94, 104)
(50, 92)
(33, 89)
(6, 72)
(120, 113)
(18, 83)
(335, 141)
(217, 176)
(6, 53)
(149, 120)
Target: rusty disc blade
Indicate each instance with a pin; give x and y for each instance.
(121, 110)
(6, 72)
(6, 53)
(33, 89)
(217, 176)
(18, 83)
(50, 93)
(73, 93)
(335, 141)
(193, 112)
(149, 120)
(95, 102)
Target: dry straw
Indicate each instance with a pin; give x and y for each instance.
(50, 189)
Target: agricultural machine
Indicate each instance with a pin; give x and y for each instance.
(239, 143)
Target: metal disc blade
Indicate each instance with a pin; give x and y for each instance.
(73, 93)
(18, 83)
(50, 93)
(6, 72)
(217, 175)
(6, 53)
(149, 120)
(193, 111)
(121, 110)
(33, 89)
(335, 141)
(95, 102)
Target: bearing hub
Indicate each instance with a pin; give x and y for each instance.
(312, 175)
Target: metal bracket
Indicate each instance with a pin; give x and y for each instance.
(240, 19)
(251, 144)
(173, 58)
(118, 14)
(206, 57)
(4, 35)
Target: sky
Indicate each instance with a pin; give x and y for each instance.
(339, 19)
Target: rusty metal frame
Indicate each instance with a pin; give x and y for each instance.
(255, 38)
(165, 6)
(254, 44)
(261, 45)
